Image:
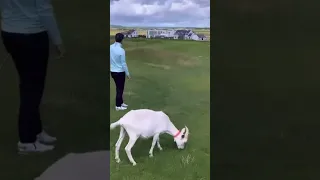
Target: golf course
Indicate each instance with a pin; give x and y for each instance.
(172, 76)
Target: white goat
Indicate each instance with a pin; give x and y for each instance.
(146, 123)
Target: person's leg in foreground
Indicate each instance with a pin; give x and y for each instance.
(30, 55)
(119, 79)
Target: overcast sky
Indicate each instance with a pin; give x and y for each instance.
(165, 13)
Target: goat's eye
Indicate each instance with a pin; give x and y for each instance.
(182, 136)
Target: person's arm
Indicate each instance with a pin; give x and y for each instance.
(47, 18)
(124, 64)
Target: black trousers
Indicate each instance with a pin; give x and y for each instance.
(119, 79)
(30, 54)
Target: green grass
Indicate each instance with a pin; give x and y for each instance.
(76, 95)
(172, 76)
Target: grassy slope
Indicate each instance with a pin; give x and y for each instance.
(172, 76)
(75, 98)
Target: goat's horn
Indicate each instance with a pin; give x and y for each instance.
(183, 131)
(187, 131)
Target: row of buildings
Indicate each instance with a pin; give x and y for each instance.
(168, 34)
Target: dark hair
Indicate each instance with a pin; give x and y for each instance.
(119, 37)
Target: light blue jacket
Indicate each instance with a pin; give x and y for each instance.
(28, 17)
(118, 59)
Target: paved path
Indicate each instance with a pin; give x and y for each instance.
(85, 166)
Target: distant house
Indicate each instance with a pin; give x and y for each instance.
(130, 33)
(183, 34)
(199, 37)
(160, 33)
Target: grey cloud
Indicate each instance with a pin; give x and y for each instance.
(188, 17)
(202, 3)
(160, 2)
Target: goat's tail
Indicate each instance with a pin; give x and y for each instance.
(114, 125)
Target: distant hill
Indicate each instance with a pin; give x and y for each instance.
(116, 26)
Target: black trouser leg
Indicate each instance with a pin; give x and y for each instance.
(119, 79)
(30, 53)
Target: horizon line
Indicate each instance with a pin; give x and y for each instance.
(163, 26)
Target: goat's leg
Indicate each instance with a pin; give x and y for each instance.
(118, 144)
(154, 141)
(129, 146)
(158, 144)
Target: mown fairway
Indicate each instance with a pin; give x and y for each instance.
(172, 76)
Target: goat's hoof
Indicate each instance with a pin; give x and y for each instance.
(118, 160)
(160, 149)
(151, 155)
(134, 164)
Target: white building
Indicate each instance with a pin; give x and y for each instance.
(183, 34)
(199, 37)
(130, 33)
(164, 33)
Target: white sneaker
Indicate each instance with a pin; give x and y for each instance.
(124, 105)
(121, 108)
(33, 147)
(45, 138)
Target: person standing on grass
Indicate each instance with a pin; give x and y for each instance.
(119, 70)
(26, 26)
